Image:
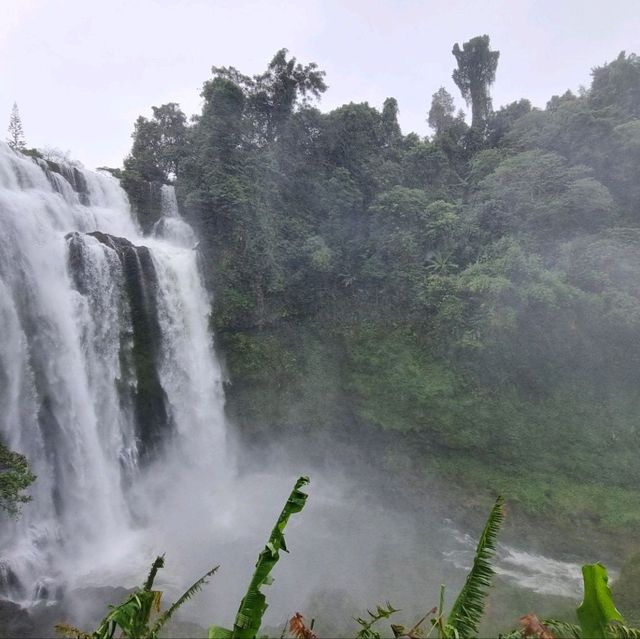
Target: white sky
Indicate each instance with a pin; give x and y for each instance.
(83, 70)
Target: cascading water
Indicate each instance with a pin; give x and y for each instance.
(110, 386)
(105, 360)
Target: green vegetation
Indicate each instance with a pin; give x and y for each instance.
(597, 615)
(469, 298)
(467, 610)
(132, 618)
(254, 603)
(15, 478)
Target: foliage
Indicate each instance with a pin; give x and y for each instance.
(133, 617)
(475, 291)
(366, 625)
(254, 603)
(158, 144)
(15, 478)
(597, 614)
(537, 193)
(441, 112)
(617, 84)
(476, 72)
(597, 610)
(468, 608)
(16, 134)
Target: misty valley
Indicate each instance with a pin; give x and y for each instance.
(407, 364)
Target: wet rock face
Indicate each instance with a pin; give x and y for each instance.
(145, 199)
(141, 339)
(15, 621)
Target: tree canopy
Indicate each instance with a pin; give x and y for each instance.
(474, 288)
(476, 72)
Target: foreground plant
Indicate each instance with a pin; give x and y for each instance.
(598, 617)
(254, 603)
(299, 629)
(468, 608)
(366, 625)
(133, 616)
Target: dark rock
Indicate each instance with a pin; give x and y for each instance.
(140, 346)
(15, 621)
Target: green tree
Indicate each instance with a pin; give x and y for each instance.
(15, 478)
(476, 72)
(285, 85)
(390, 127)
(16, 134)
(158, 144)
(502, 121)
(539, 194)
(441, 113)
(617, 84)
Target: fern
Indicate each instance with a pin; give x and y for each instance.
(380, 612)
(620, 631)
(467, 611)
(190, 592)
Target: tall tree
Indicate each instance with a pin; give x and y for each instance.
(275, 94)
(441, 111)
(476, 72)
(284, 85)
(16, 134)
(390, 127)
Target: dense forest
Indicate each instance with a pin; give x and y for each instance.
(469, 300)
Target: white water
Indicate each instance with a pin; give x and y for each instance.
(531, 571)
(61, 370)
(100, 512)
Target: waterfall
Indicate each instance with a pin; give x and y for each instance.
(109, 384)
(108, 379)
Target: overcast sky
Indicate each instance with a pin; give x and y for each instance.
(81, 71)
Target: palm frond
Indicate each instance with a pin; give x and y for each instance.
(620, 631)
(469, 606)
(190, 592)
(67, 630)
(563, 629)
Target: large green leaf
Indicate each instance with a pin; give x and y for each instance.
(254, 603)
(467, 611)
(597, 609)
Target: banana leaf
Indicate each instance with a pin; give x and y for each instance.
(597, 609)
(254, 603)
